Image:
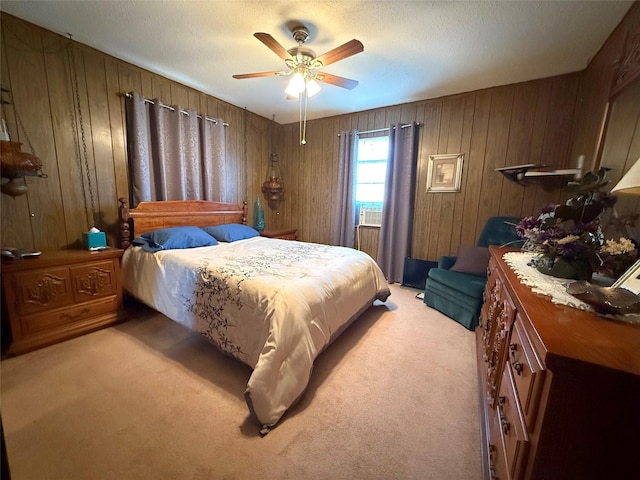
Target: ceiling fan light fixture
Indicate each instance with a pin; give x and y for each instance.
(296, 85)
(303, 65)
(312, 87)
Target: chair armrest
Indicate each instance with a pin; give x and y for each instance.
(446, 262)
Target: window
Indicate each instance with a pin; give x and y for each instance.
(371, 170)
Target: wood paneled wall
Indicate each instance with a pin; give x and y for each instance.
(36, 67)
(529, 122)
(549, 121)
(510, 125)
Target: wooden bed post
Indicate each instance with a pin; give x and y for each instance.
(125, 229)
(245, 210)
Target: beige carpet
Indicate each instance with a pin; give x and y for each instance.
(395, 397)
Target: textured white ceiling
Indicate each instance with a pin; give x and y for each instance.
(413, 50)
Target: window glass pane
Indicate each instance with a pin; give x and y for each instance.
(370, 193)
(373, 148)
(371, 170)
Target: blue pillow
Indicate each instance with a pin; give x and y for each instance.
(174, 238)
(230, 232)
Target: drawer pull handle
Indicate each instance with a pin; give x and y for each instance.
(492, 470)
(504, 423)
(73, 316)
(517, 366)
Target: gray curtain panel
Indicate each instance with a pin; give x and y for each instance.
(344, 227)
(394, 244)
(173, 154)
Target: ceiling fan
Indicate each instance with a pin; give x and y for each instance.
(303, 63)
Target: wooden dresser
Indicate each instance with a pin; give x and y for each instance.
(559, 387)
(60, 295)
(291, 234)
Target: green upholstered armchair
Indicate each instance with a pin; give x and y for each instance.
(458, 294)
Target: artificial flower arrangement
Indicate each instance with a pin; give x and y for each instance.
(568, 239)
(616, 256)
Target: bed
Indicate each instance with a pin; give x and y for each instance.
(272, 304)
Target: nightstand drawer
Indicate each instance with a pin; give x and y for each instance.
(291, 234)
(93, 281)
(55, 318)
(39, 291)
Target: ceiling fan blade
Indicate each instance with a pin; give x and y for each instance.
(343, 51)
(336, 80)
(272, 43)
(256, 75)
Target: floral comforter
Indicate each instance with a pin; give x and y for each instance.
(272, 304)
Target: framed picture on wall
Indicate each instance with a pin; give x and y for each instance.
(444, 173)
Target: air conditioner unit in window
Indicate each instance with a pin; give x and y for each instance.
(370, 216)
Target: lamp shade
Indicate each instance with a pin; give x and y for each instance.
(630, 182)
(296, 85)
(312, 88)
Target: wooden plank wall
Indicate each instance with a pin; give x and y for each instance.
(36, 67)
(550, 121)
(509, 125)
(528, 122)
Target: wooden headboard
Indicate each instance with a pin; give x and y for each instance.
(149, 216)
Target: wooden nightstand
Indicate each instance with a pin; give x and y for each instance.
(60, 295)
(291, 234)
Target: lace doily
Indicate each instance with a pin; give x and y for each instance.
(555, 288)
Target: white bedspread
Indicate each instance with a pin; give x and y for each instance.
(273, 304)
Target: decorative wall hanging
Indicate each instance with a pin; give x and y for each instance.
(273, 188)
(14, 163)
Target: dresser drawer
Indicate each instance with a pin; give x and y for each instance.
(498, 466)
(512, 426)
(527, 371)
(38, 291)
(54, 318)
(93, 281)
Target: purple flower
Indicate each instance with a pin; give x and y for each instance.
(552, 233)
(548, 209)
(571, 249)
(526, 224)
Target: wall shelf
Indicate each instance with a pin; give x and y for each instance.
(520, 173)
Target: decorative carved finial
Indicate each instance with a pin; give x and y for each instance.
(125, 227)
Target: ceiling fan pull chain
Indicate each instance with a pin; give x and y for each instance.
(300, 116)
(304, 127)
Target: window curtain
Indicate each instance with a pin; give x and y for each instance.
(344, 227)
(394, 244)
(173, 154)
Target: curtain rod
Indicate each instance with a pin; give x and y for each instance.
(151, 102)
(382, 129)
